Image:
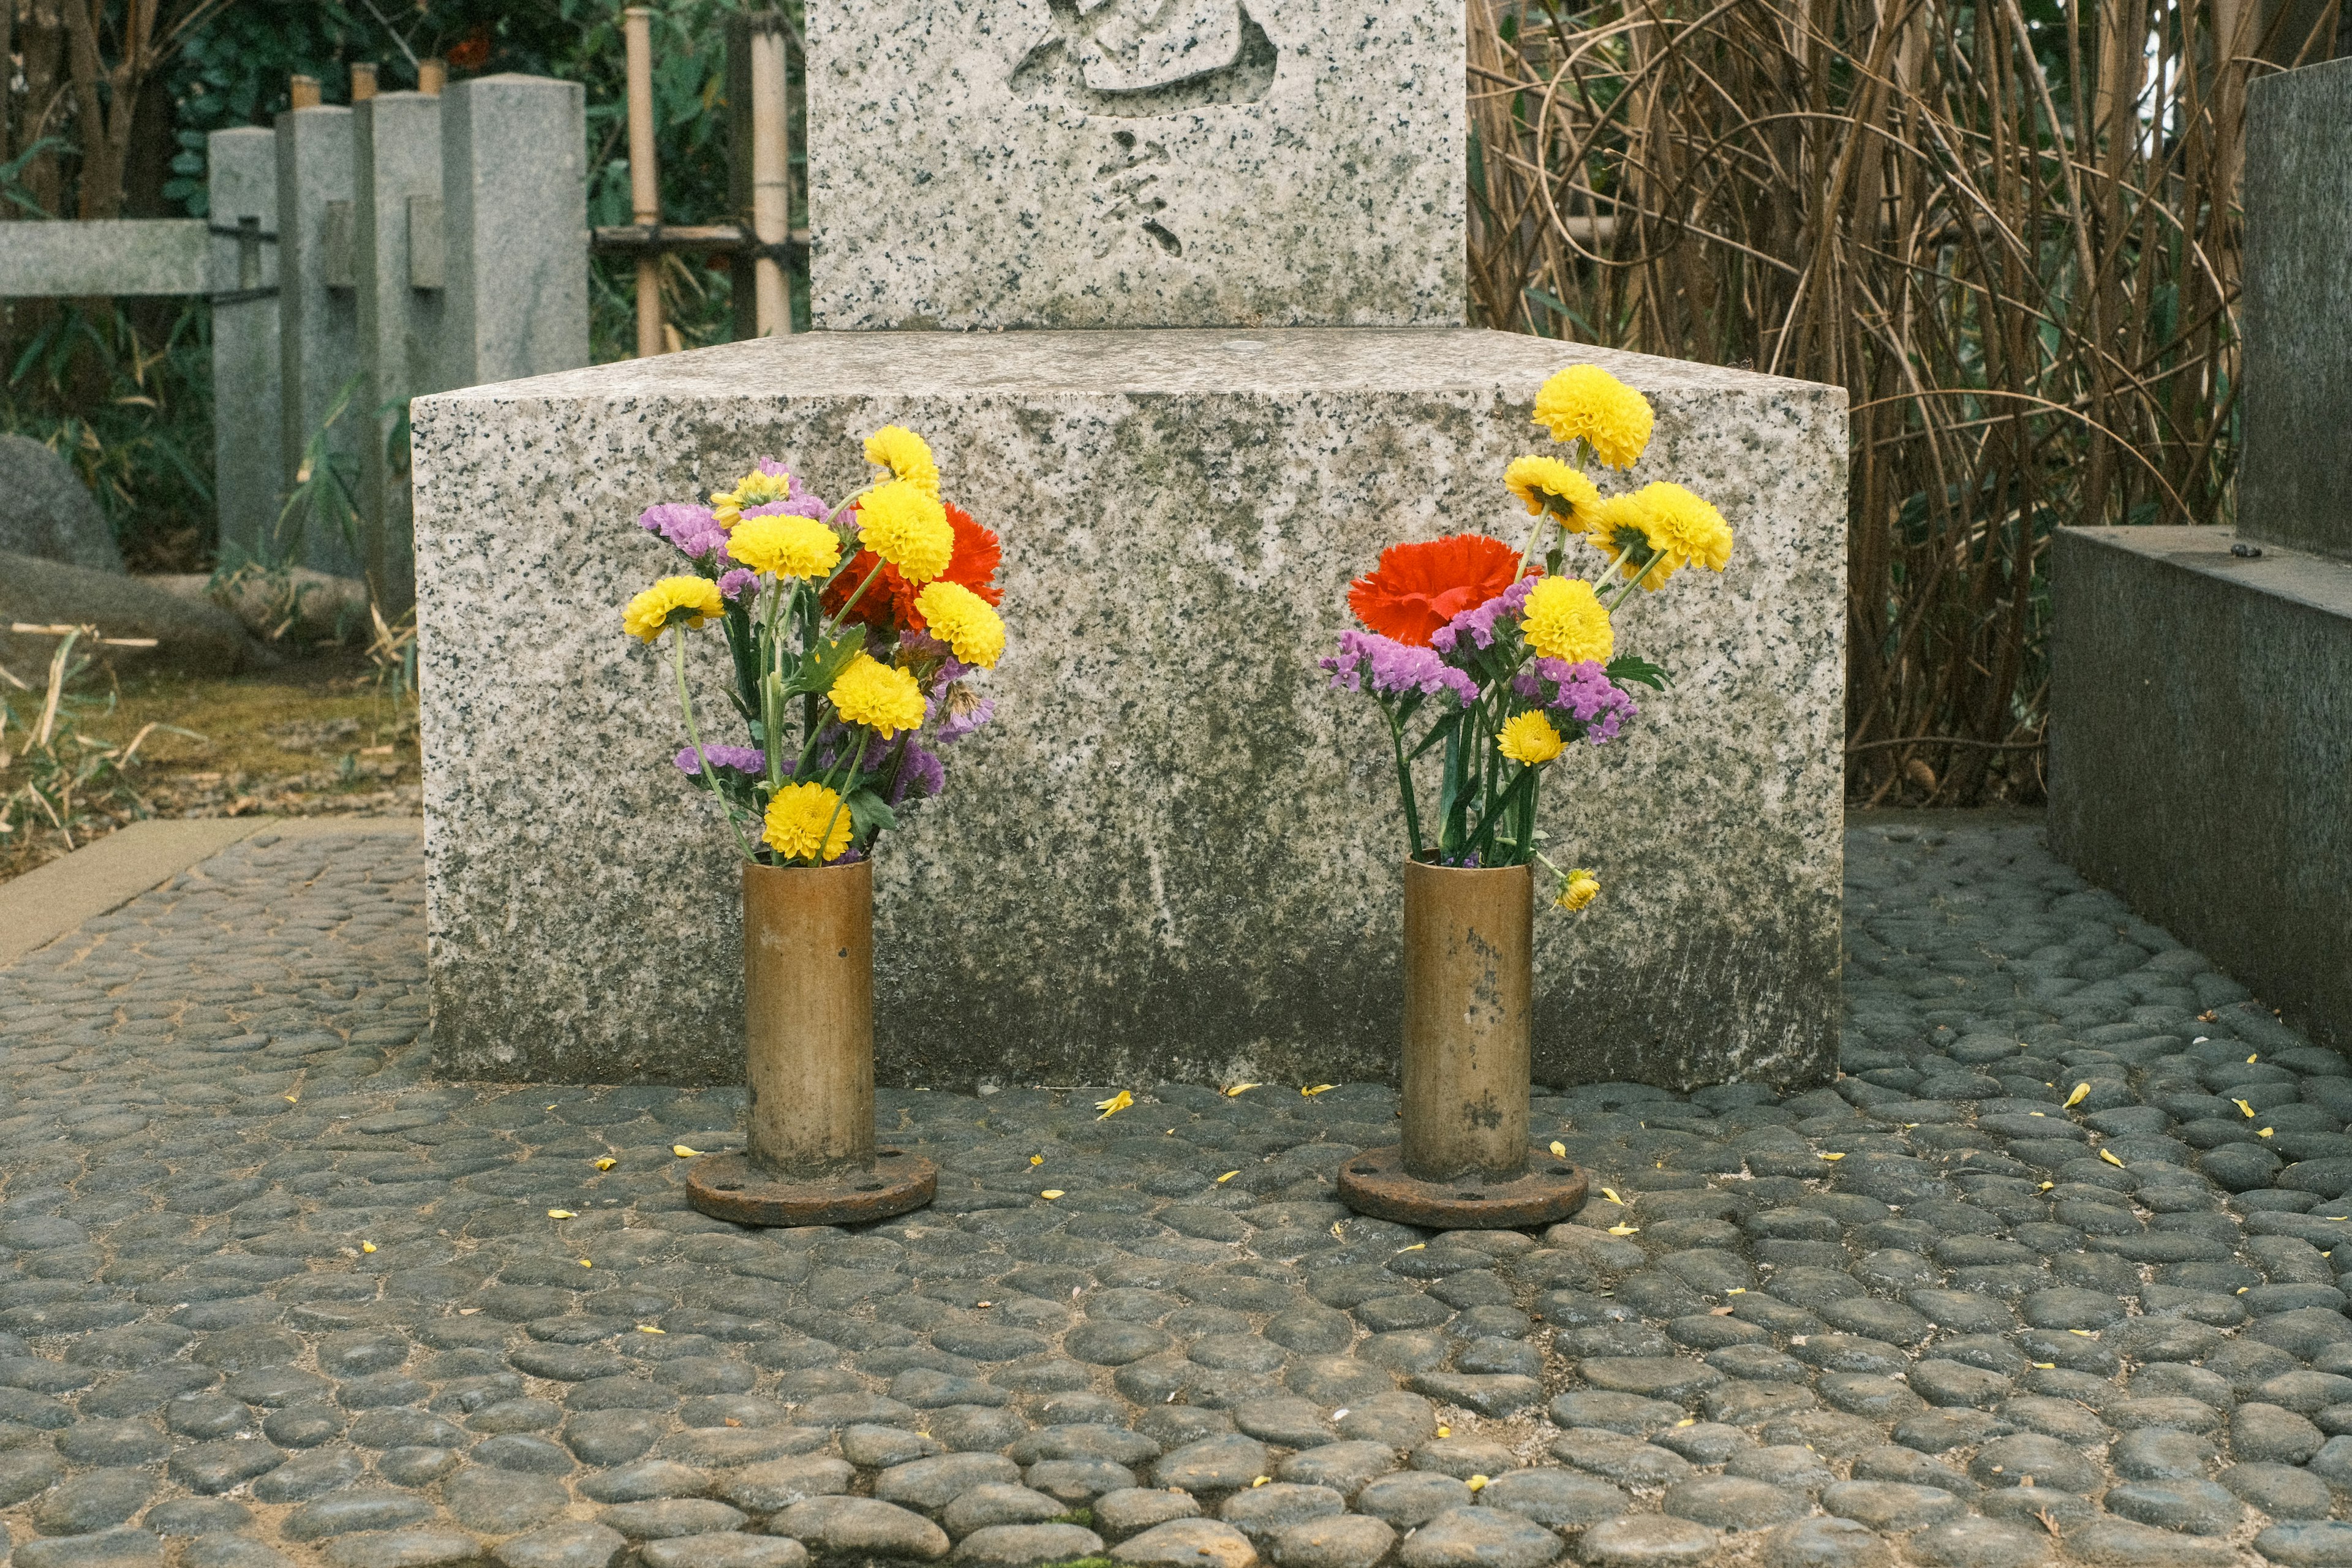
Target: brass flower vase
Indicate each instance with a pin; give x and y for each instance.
(808, 1036)
(1465, 1162)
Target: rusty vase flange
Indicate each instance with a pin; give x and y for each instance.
(1375, 1182)
(730, 1187)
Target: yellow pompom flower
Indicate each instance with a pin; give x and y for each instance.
(907, 526)
(1549, 483)
(907, 456)
(1630, 522)
(967, 623)
(1564, 618)
(878, 695)
(754, 488)
(1585, 401)
(1683, 525)
(1529, 739)
(1579, 889)
(693, 600)
(785, 546)
(804, 819)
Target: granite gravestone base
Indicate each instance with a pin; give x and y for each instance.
(1175, 854)
(2200, 704)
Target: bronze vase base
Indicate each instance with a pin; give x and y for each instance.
(730, 1187)
(1375, 1182)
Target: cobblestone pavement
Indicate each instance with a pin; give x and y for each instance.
(2048, 1274)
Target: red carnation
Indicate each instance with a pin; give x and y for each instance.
(889, 605)
(1420, 587)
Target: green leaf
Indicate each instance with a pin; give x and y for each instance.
(825, 662)
(1628, 667)
(869, 813)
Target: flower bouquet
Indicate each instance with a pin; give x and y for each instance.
(853, 632)
(1492, 660)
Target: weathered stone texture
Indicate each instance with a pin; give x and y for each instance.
(1175, 854)
(1278, 162)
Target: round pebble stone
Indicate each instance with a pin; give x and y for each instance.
(1898, 1506)
(995, 1503)
(2307, 1544)
(1344, 1466)
(2266, 1434)
(1214, 1464)
(1632, 1413)
(1555, 1499)
(2112, 1542)
(2040, 1505)
(727, 1550)
(425, 1548)
(1624, 1460)
(1971, 1543)
(1124, 1513)
(2282, 1491)
(501, 1502)
(860, 1526)
(92, 1501)
(1824, 1542)
(2007, 1461)
(1017, 1546)
(2196, 1507)
(1343, 1540)
(1078, 1481)
(1704, 1442)
(1464, 1458)
(661, 1518)
(421, 1467)
(1648, 1541)
(1188, 1543)
(1412, 1497)
(1789, 1465)
(2161, 1454)
(1732, 1502)
(1479, 1538)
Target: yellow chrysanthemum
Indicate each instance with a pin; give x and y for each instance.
(1547, 482)
(693, 600)
(907, 526)
(1579, 888)
(1529, 739)
(804, 818)
(1631, 523)
(878, 695)
(964, 621)
(1684, 525)
(1564, 618)
(754, 488)
(785, 546)
(907, 456)
(1585, 401)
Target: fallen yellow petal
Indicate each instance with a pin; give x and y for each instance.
(1114, 1105)
(683, 1153)
(291, 1100)
(1051, 1193)
(2265, 1133)
(1228, 1176)
(1259, 1482)
(1445, 1431)
(1611, 1193)
(2047, 1185)
(1335, 1231)
(1737, 1291)
(586, 1264)
(1559, 1149)
(607, 1163)
(2244, 1107)
(367, 1246)
(1833, 1156)
(1477, 1483)
(1416, 1246)
(1687, 1421)
(2045, 1366)
(2082, 1092)
(1624, 1230)
(562, 1214)
(649, 1328)
(1036, 1159)
(2256, 1056)
(2109, 1156)
(2083, 1334)
(1241, 1088)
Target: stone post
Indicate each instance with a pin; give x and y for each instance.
(396, 164)
(249, 469)
(515, 191)
(317, 323)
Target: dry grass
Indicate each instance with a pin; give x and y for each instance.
(320, 734)
(2012, 240)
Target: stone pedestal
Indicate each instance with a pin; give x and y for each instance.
(1175, 855)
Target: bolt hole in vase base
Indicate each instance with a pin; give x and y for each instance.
(1465, 1162)
(808, 1038)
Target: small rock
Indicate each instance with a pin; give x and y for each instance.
(1016, 1545)
(1188, 1543)
(1479, 1538)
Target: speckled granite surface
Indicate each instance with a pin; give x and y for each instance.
(1175, 855)
(1155, 163)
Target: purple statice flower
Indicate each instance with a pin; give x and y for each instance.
(1395, 668)
(740, 584)
(691, 528)
(957, 725)
(921, 774)
(742, 758)
(1581, 691)
(798, 501)
(1478, 625)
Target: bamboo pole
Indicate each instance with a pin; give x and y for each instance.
(303, 93)
(432, 75)
(645, 177)
(770, 172)
(362, 80)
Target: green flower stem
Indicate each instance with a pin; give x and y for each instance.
(841, 801)
(1404, 781)
(842, 613)
(701, 758)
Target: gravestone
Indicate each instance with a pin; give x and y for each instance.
(248, 455)
(514, 194)
(2200, 745)
(1175, 854)
(1136, 163)
(318, 324)
(396, 164)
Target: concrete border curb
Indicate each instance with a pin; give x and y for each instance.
(51, 900)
